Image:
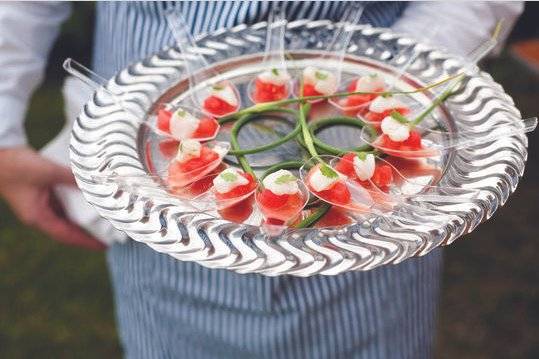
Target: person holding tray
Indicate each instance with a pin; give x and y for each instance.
(169, 308)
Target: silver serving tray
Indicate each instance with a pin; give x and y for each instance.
(104, 142)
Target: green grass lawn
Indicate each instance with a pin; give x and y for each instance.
(55, 301)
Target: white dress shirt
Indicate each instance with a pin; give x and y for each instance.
(28, 30)
(27, 33)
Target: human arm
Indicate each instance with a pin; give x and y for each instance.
(462, 25)
(27, 32)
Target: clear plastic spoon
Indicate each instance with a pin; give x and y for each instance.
(376, 82)
(423, 141)
(331, 76)
(183, 122)
(165, 114)
(182, 179)
(429, 143)
(274, 83)
(96, 82)
(374, 119)
(396, 185)
(285, 212)
(359, 201)
(278, 220)
(209, 90)
(215, 200)
(276, 214)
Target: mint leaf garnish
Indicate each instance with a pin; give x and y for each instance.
(181, 113)
(320, 75)
(283, 179)
(218, 87)
(399, 117)
(362, 155)
(275, 72)
(228, 176)
(328, 171)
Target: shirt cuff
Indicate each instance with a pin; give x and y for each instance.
(458, 28)
(12, 113)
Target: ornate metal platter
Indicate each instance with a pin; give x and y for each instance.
(103, 142)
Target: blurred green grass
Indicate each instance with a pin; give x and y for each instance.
(55, 301)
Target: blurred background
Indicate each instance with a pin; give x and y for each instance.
(55, 301)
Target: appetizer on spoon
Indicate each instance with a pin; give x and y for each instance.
(282, 197)
(319, 80)
(272, 84)
(402, 137)
(209, 91)
(372, 82)
(194, 160)
(184, 123)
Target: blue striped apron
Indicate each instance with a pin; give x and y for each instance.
(171, 309)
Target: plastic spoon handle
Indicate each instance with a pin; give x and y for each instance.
(178, 26)
(469, 139)
(382, 200)
(471, 59)
(391, 201)
(85, 74)
(470, 66)
(437, 193)
(93, 80)
(433, 30)
(200, 75)
(441, 193)
(143, 186)
(150, 186)
(341, 39)
(96, 81)
(387, 210)
(480, 52)
(443, 91)
(194, 61)
(274, 51)
(420, 212)
(221, 148)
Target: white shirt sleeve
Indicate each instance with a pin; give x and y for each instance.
(27, 32)
(460, 26)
